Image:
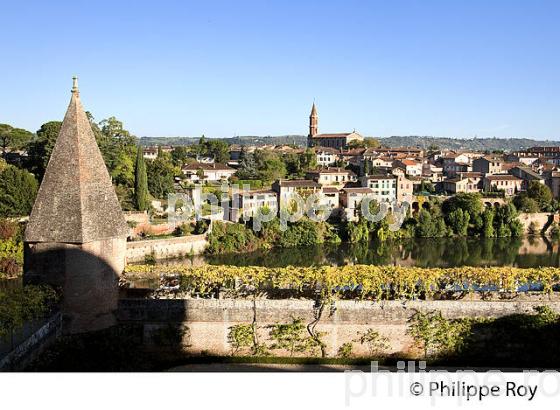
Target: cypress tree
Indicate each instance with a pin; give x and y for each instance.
(140, 182)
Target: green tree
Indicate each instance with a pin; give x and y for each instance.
(270, 166)
(459, 221)
(540, 193)
(13, 138)
(40, 149)
(367, 142)
(141, 182)
(524, 203)
(179, 156)
(118, 148)
(470, 202)
(161, 175)
(18, 189)
(488, 223)
(247, 167)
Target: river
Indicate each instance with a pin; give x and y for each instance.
(424, 252)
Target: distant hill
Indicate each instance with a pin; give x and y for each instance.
(476, 144)
(300, 140)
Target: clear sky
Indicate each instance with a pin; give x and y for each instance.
(444, 68)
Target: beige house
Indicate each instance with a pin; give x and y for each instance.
(350, 199)
(488, 165)
(504, 182)
(405, 187)
(331, 176)
(461, 184)
(411, 167)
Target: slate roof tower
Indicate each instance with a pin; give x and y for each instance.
(76, 235)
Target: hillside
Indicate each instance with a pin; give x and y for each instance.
(477, 144)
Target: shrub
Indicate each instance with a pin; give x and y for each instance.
(183, 229)
(345, 350)
(8, 229)
(369, 282)
(374, 342)
(230, 237)
(240, 336)
(292, 337)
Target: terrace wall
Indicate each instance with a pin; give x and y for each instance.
(208, 320)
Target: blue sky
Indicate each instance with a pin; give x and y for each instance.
(444, 68)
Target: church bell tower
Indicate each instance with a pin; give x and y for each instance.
(313, 125)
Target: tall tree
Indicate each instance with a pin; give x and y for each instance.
(13, 138)
(140, 182)
(160, 177)
(39, 150)
(18, 189)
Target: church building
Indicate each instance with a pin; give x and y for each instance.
(337, 141)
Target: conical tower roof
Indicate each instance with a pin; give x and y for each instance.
(313, 110)
(76, 202)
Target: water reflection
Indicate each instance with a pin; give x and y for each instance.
(437, 252)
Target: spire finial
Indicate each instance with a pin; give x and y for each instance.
(75, 84)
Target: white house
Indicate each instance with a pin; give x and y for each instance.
(326, 156)
(215, 172)
(247, 203)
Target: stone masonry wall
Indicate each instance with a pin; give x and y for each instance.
(540, 219)
(208, 321)
(165, 248)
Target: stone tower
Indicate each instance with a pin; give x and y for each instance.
(76, 236)
(313, 125)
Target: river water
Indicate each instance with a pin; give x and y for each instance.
(424, 252)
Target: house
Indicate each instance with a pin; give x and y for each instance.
(351, 199)
(150, 152)
(455, 157)
(432, 173)
(540, 152)
(352, 156)
(527, 175)
(383, 187)
(205, 159)
(326, 156)
(331, 176)
(330, 197)
(514, 157)
(488, 165)
(207, 172)
(405, 152)
(381, 162)
(247, 203)
(552, 179)
(510, 184)
(452, 168)
(405, 187)
(287, 188)
(467, 182)
(411, 167)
